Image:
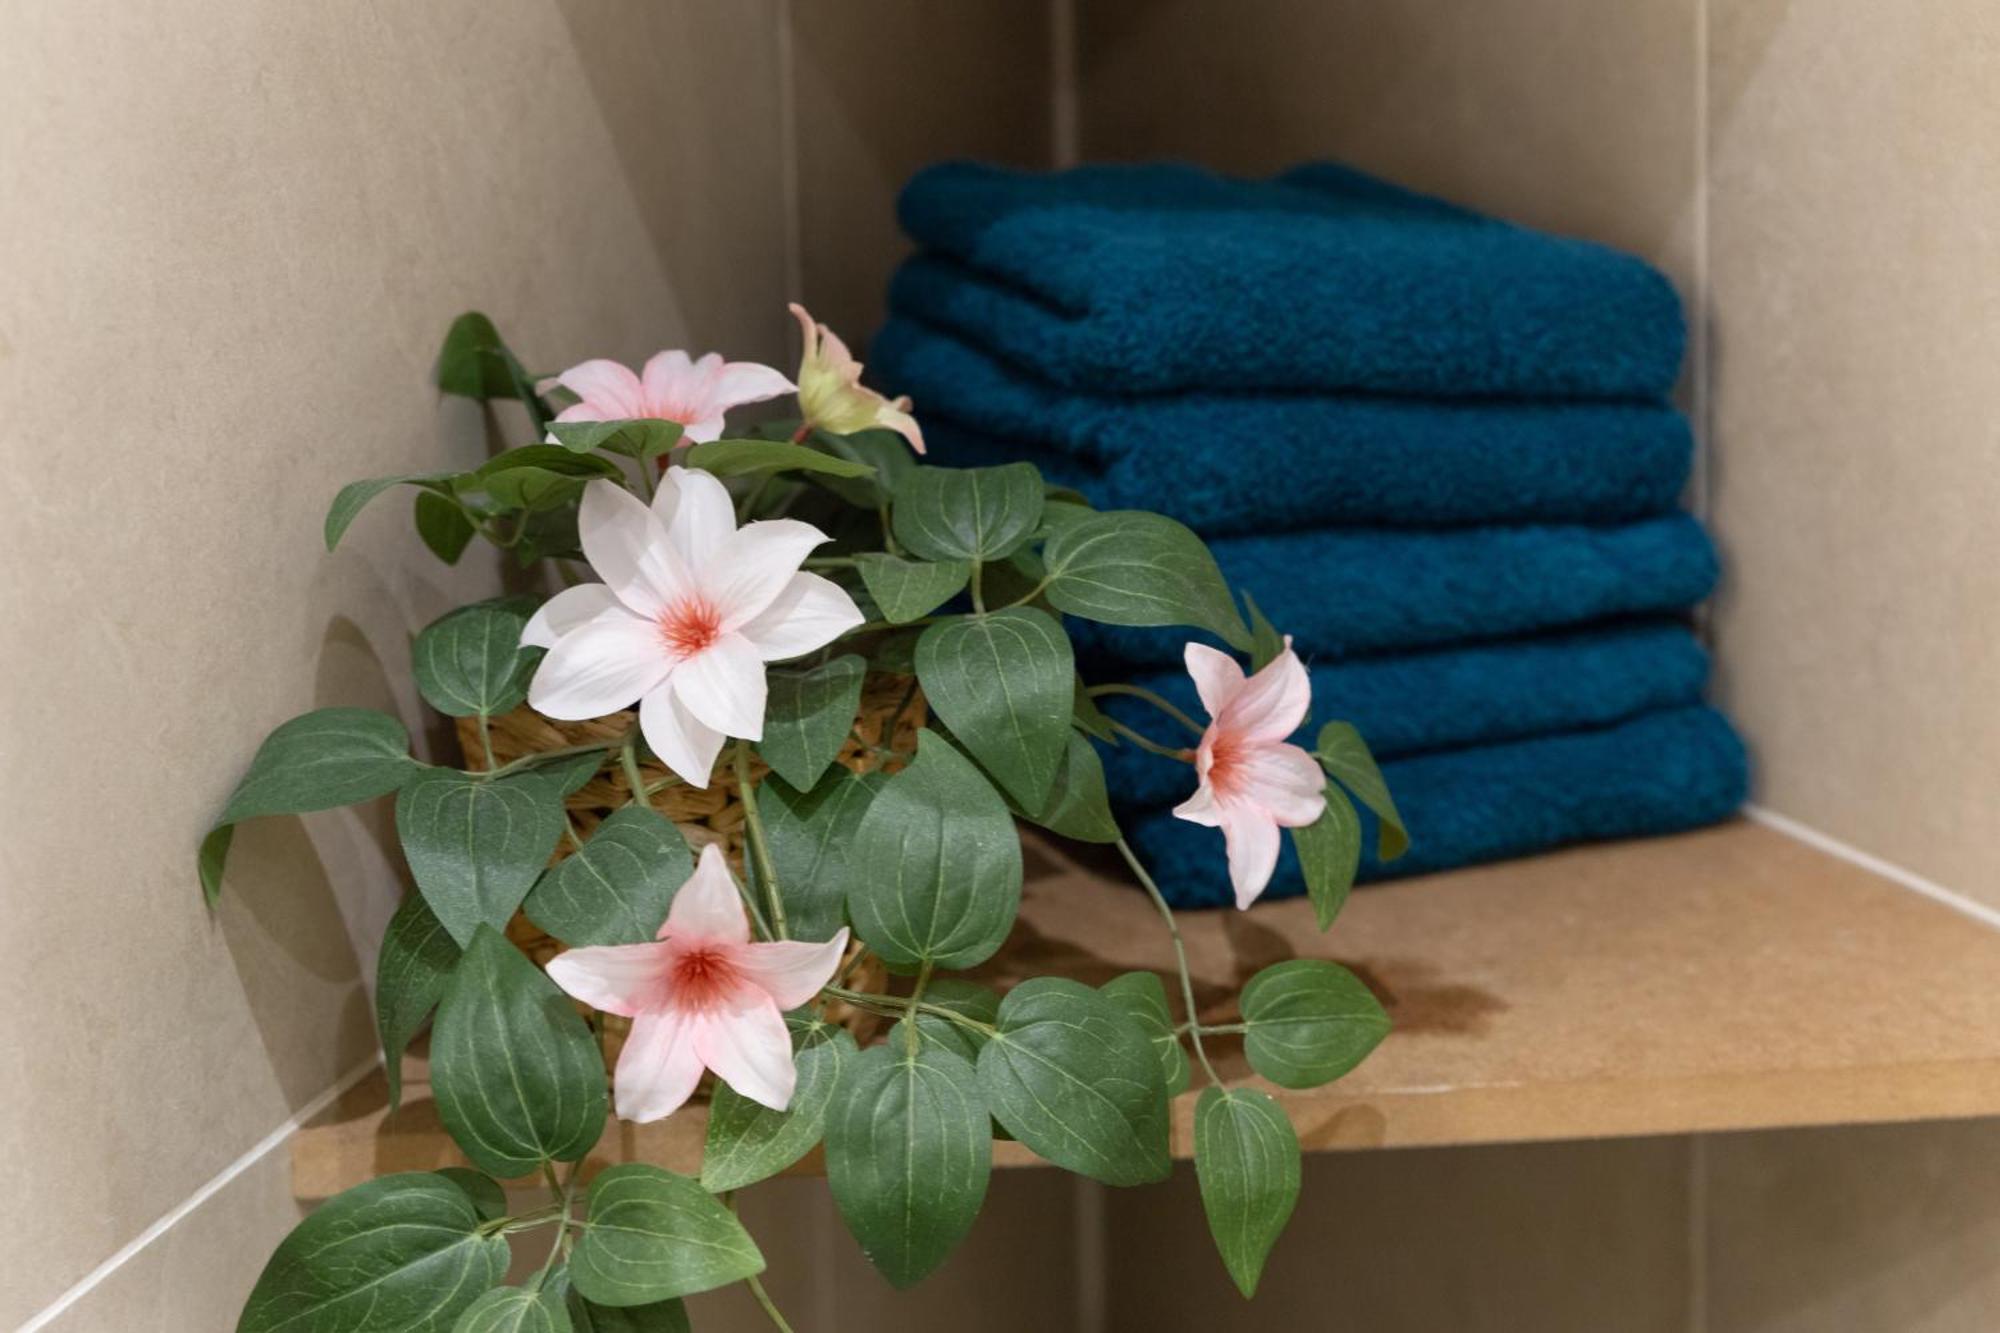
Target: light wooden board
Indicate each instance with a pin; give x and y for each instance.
(1727, 979)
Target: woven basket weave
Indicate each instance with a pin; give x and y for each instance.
(892, 709)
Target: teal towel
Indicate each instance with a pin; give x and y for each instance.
(1660, 773)
(1448, 699)
(1352, 592)
(1232, 463)
(1162, 278)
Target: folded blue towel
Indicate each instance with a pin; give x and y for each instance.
(1447, 699)
(1660, 773)
(1162, 278)
(1351, 592)
(1264, 462)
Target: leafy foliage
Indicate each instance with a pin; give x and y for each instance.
(1308, 1021)
(1002, 683)
(652, 1236)
(1133, 568)
(971, 514)
(1246, 1160)
(809, 713)
(417, 957)
(617, 887)
(476, 845)
(748, 1142)
(1342, 753)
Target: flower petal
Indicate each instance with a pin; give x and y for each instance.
(608, 664)
(744, 382)
(1272, 703)
(629, 549)
(1286, 781)
(695, 509)
(668, 377)
(683, 742)
(607, 390)
(745, 1041)
(895, 415)
(723, 685)
(617, 978)
(659, 1067)
(1200, 808)
(746, 572)
(810, 613)
(569, 609)
(790, 971)
(707, 906)
(1217, 677)
(1252, 839)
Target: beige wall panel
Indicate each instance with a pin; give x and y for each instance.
(1856, 449)
(1855, 1230)
(885, 87)
(234, 234)
(1559, 1238)
(1575, 117)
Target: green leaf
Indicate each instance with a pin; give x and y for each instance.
(737, 458)
(1343, 753)
(1265, 641)
(978, 513)
(570, 776)
(355, 495)
(1004, 684)
(659, 1317)
(643, 438)
(748, 1142)
(1329, 851)
(443, 526)
(1073, 1077)
(1079, 807)
(1142, 997)
(488, 1199)
(943, 864)
(653, 1236)
(475, 363)
(909, 1148)
(617, 887)
(516, 1074)
(547, 458)
(886, 452)
(325, 758)
(514, 1310)
(1246, 1159)
(807, 717)
(961, 996)
(1129, 567)
(1308, 1021)
(1060, 512)
(811, 836)
(533, 488)
(1085, 713)
(417, 957)
(470, 662)
(476, 845)
(402, 1251)
(908, 590)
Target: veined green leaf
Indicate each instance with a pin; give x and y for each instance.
(1246, 1159)
(812, 836)
(1343, 753)
(1142, 997)
(908, 590)
(488, 1199)
(1078, 807)
(942, 879)
(516, 1074)
(514, 1310)
(355, 495)
(886, 452)
(1129, 567)
(470, 662)
(643, 438)
(617, 887)
(748, 1142)
(658, 1317)
(401, 1251)
(1308, 1021)
(417, 957)
(1329, 851)
(909, 1148)
(443, 525)
(476, 845)
(1003, 683)
(654, 1236)
(737, 458)
(977, 513)
(807, 716)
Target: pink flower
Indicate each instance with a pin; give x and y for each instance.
(671, 388)
(702, 997)
(1252, 782)
(690, 610)
(830, 393)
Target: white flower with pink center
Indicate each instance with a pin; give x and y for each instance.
(703, 996)
(670, 388)
(690, 610)
(1253, 782)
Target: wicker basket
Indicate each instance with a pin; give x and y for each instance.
(891, 707)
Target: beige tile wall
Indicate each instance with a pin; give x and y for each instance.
(233, 237)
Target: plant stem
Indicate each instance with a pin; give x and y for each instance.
(1180, 956)
(628, 757)
(1031, 594)
(760, 847)
(978, 589)
(486, 741)
(564, 1193)
(540, 757)
(1141, 692)
(916, 998)
(891, 1007)
(1145, 743)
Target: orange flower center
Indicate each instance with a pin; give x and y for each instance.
(701, 977)
(690, 625)
(1225, 762)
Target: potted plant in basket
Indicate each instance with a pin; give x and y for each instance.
(737, 800)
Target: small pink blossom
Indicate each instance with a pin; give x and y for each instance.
(1252, 782)
(671, 388)
(831, 396)
(703, 996)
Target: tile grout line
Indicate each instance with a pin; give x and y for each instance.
(1832, 846)
(202, 1194)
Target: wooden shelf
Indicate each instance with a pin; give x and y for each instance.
(1732, 978)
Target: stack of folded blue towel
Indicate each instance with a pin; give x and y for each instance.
(1435, 447)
